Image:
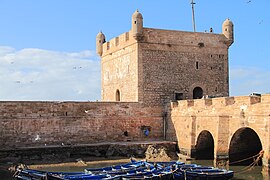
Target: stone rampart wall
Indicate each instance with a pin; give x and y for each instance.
(25, 124)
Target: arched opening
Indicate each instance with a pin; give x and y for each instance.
(117, 95)
(244, 144)
(197, 93)
(205, 146)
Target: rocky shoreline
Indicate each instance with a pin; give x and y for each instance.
(65, 153)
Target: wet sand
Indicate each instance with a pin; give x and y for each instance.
(78, 165)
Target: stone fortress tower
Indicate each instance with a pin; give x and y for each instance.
(155, 66)
(144, 69)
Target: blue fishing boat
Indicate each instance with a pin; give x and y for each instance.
(194, 172)
(28, 174)
(133, 170)
(115, 168)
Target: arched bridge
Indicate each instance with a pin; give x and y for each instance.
(231, 128)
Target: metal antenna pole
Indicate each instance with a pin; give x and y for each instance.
(193, 15)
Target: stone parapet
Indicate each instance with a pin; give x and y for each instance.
(184, 38)
(223, 101)
(117, 43)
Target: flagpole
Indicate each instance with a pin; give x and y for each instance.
(193, 15)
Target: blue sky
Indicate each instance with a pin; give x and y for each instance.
(47, 48)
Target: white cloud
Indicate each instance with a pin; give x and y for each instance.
(36, 74)
(5, 50)
(246, 80)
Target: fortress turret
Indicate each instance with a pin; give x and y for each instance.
(100, 39)
(137, 25)
(227, 30)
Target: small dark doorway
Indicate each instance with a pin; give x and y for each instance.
(117, 95)
(244, 146)
(205, 146)
(197, 93)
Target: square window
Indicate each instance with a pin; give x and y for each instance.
(179, 96)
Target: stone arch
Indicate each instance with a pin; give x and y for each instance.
(193, 86)
(204, 146)
(117, 95)
(244, 143)
(197, 93)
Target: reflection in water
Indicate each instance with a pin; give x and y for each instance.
(251, 174)
(5, 174)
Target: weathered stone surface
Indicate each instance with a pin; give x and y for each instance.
(161, 63)
(222, 119)
(72, 153)
(159, 152)
(145, 73)
(40, 124)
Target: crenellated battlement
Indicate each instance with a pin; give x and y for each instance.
(166, 37)
(222, 101)
(117, 43)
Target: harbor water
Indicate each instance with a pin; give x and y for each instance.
(241, 172)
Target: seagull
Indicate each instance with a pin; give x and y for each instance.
(86, 111)
(37, 138)
(248, 1)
